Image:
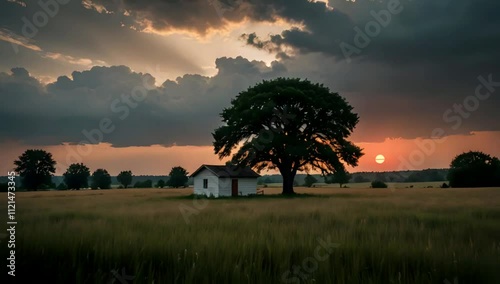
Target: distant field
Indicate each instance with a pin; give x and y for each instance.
(334, 236)
(433, 184)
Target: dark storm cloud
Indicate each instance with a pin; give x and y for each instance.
(424, 62)
(402, 31)
(181, 112)
(427, 30)
(83, 33)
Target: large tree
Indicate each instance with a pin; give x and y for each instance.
(177, 177)
(101, 179)
(76, 176)
(125, 178)
(474, 169)
(290, 125)
(36, 168)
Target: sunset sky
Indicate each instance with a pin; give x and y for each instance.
(146, 80)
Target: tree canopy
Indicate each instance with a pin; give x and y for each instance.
(101, 179)
(125, 178)
(290, 125)
(36, 168)
(177, 177)
(160, 184)
(474, 169)
(76, 176)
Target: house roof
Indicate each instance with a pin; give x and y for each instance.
(228, 171)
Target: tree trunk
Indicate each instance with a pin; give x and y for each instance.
(288, 183)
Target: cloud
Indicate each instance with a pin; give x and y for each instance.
(185, 111)
(423, 63)
(14, 39)
(179, 112)
(78, 35)
(443, 31)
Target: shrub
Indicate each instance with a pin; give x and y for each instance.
(378, 184)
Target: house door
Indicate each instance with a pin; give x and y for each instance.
(234, 187)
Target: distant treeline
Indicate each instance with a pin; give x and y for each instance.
(137, 181)
(427, 175)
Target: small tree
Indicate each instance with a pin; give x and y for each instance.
(474, 169)
(125, 178)
(76, 176)
(178, 177)
(144, 184)
(341, 177)
(309, 180)
(160, 184)
(378, 184)
(147, 184)
(36, 168)
(101, 179)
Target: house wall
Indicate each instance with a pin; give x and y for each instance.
(213, 183)
(246, 186)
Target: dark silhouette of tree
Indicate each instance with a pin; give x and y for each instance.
(101, 179)
(474, 169)
(177, 177)
(36, 168)
(425, 176)
(161, 183)
(4, 187)
(145, 184)
(125, 178)
(309, 180)
(76, 176)
(290, 125)
(340, 177)
(378, 184)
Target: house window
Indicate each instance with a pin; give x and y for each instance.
(205, 183)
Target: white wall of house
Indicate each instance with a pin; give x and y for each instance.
(225, 186)
(246, 186)
(213, 183)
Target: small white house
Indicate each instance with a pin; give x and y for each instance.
(218, 181)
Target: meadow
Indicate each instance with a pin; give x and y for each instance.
(323, 235)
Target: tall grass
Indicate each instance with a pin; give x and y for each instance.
(384, 236)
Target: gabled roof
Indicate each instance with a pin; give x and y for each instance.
(228, 171)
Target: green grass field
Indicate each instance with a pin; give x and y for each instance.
(326, 235)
